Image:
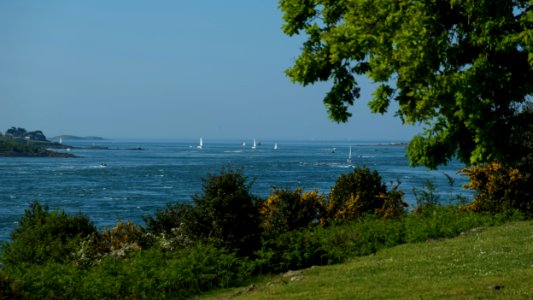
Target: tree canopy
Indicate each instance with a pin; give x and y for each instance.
(461, 68)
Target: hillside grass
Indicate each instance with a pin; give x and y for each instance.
(485, 262)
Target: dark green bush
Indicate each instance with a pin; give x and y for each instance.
(148, 274)
(43, 236)
(333, 244)
(435, 222)
(226, 213)
(172, 216)
(296, 250)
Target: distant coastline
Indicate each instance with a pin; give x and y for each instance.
(76, 138)
(18, 142)
(10, 147)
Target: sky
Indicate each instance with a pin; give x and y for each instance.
(166, 70)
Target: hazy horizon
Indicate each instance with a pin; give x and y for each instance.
(207, 140)
(165, 70)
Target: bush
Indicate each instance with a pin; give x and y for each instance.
(499, 188)
(121, 240)
(362, 192)
(393, 204)
(426, 196)
(226, 213)
(173, 216)
(171, 229)
(355, 194)
(322, 245)
(146, 275)
(43, 236)
(285, 210)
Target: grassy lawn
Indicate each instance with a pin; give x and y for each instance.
(494, 262)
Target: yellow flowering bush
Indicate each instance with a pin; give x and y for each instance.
(498, 188)
(393, 204)
(121, 239)
(286, 210)
(363, 192)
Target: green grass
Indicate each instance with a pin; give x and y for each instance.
(492, 262)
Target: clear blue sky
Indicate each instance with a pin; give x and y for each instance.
(164, 69)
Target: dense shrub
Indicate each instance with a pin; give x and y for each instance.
(286, 210)
(322, 245)
(363, 192)
(122, 239)
(172, 216)
(146, 275)
(43, 236)
(226, 213)
(393, 203)
(355, 194)
(171, 228)
(499, 188)
(298, 249)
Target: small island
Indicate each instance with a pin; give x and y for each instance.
(17, 142)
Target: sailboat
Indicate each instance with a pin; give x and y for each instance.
(349, 160)
(244, 144)
(276, 146)
(254, 146)
(60, 139)
(201, 144)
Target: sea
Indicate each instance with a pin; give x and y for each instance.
(134, 178)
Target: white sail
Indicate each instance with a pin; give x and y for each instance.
(60, 139)
(276, 146)
(201, 144)
(349, 160)
(254, 146)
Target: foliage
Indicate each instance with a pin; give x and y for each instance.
(361, 192)
(486, 263)
(21, 133)
(226, 213)
(393, 203)
(13, 147)
(15, 132)
(122, 239)
(322, 245)
(147, 274)
(500, 188)
(464, 69)
(286, 210)
(183, 272)
(426, 196)
(189, 249)
(19, 147)
(43, 236)
(172, 216)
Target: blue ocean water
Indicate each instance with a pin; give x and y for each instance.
(135, 183)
